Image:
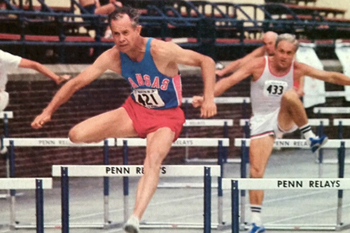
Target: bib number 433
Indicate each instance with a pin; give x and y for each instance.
(275, 88)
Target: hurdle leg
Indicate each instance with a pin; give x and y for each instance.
(320, 163)
(220, 192)
(39, 207)
(244, 162)
(7, 165)
(13, 210)
(207, 200)
(65, 199)
(234, 206)
(106, 186)
(341, 163)
(12, 192)
(186, 132)
(320, 132)
(126, 182)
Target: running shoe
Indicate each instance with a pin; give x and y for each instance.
(132, 225)
(317, 142)
(256, 229)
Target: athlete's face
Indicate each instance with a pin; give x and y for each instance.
(284, 54)
(269, 44)
(125, 34)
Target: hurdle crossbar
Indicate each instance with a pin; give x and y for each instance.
(207, 122)
(66, 171)
(52, 142)
(6, 114)
(132, 170)
(282, 184)
(341, 121)
(288, 183)
(312, 122)
(296, 143)
(222, 100)
(24, 183)
(329, 94)
(180, 142)
(332, 110)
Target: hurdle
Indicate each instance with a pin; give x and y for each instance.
(63, 142)
(340, 145)
(39, 184)
(283, 184)
(294, 143)
(225, 123)
(66, 171)
(320, 123)
(180, 142)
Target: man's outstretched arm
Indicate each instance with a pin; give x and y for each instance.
(69, 88)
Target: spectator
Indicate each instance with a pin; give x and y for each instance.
(9, 61)
(94, 7)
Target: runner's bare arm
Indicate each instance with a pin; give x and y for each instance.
(26, 63)
(207, 65)
(245, 71)
(69, 88)
(327, 76)
(231, 67)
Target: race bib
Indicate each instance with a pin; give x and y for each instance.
(275, 88)
(148, 98)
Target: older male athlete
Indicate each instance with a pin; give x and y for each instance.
(152, 111)
(277, 108)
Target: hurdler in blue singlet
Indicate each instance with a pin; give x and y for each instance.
(150, 88)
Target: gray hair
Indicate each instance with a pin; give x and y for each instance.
(133, 13)
(288, 37)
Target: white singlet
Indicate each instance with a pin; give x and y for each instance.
(265, 95)
(7, 62)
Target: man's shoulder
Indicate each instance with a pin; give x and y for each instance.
(258, 62)
(111, 53)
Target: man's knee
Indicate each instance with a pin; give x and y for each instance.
(75, 136)
(290, 95)
(256, 172)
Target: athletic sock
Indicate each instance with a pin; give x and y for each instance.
(256, 214)
(307, 132)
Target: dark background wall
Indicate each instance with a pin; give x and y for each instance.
(30, 93)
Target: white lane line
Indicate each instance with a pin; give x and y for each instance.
(308, 214)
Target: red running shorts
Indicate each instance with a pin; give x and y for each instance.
(147, 120)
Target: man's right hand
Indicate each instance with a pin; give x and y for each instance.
(40, 120)
(197, 101)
